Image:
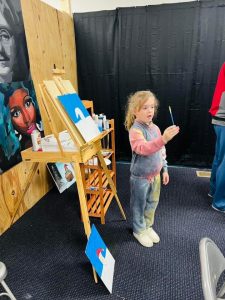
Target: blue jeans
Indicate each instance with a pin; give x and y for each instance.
(143, 201)
(217, 180)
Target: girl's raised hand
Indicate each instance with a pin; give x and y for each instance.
(170, 133)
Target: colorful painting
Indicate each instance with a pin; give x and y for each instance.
(62, 174)
(80, 116)
(101, 258)
(14, 67)
(19, 116)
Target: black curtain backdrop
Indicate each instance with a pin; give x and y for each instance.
(175, 50)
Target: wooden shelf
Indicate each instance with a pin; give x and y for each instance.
(98, 203)
(93, 181)
(99, 195)
(95, 208)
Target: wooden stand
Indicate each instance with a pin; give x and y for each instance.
(49, 91)
(99, 194)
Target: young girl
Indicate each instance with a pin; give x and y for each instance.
(148, 158)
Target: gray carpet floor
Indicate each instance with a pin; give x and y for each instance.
(44, 250)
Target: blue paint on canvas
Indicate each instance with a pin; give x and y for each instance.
(74, 107)
(95, 242)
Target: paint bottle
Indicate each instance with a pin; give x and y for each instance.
(100, 124)
(104, 122)
(36, 140)
(95, 117)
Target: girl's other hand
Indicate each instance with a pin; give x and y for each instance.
(170, 133)
(165, 178)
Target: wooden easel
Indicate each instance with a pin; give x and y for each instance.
(50, 90)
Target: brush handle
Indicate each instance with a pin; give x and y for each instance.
(171, 115)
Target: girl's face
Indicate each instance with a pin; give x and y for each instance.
(23, 113)
(146, 112)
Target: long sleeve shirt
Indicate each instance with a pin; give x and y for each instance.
(217, 109)
(148, 150)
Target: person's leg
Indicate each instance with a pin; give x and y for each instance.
(139, 188)
(152, 201)
(219, 195)
(214, 164)
(151, 205)
(138, 193)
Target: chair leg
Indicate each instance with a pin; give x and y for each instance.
(8, 292)
(221, 291)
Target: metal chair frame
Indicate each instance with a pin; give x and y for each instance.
(3, 274)
(212, 266)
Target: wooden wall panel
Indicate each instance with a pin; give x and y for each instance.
(66, 26)
(51, 43)
(12, 184)
(4, 211)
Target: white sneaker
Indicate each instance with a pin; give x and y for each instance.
(153, 235)
(143, 239)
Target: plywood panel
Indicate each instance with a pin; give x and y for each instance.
(12, 185)
(51, 43)
(4, 212)
(66, 26)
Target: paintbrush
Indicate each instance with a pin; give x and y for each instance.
(171, 115)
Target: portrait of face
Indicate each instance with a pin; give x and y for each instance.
(14, 62)
(19, 116)
(7, 50)
(23, 112)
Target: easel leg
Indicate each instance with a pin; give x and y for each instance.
(83, 205)
(110, 181)
(101, 196)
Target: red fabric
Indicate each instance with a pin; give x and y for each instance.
(220, 88)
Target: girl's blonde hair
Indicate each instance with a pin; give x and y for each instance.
(135, 102)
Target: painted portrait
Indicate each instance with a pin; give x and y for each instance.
(14, 62)
(19, 116)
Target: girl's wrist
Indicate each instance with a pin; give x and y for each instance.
(164, 140)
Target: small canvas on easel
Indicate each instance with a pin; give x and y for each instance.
(80, 116)
(100, 257)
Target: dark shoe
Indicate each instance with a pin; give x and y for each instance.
(223, 211)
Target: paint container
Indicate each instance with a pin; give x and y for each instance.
(36, 140)
(104, 122)
(95, 118)
(100, 125)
